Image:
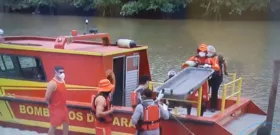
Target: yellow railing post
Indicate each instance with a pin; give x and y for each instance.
(239, 91)
(151, 85)
(199, 101)
(233, 84)
(175, 110)
(224, 98)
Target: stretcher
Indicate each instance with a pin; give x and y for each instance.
(185, 82)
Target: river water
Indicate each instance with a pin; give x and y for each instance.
(249, 46)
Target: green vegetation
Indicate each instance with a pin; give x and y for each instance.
(210, 8)
(106, 5)
(23, 4)
(215, 7)
(166, 6)
(85, 4)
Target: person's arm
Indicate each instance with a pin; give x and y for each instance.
(137, 114)
(100, 105)
(163, 113)
(224, 63)
(185, 65)
(214, 64)
(50, 88)
(111, 75)
(225, 67)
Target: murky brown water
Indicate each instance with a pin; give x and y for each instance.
(250, 47)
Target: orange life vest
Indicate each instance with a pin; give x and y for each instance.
(134, 99)
(151, 118)
(105, 119)
(218, 62)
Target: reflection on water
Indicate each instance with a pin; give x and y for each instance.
(250, 47)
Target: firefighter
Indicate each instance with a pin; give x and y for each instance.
(56, 99)
(102, 108)
(201, 60)
(136, 94)
(217, 77)
(147, 115)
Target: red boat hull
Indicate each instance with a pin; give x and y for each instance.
(32, 114)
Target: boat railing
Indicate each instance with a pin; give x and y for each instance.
(225, 96)
(198, 101)
(226, 86)
(232, 85)
(153, 84)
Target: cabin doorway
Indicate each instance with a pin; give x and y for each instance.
(119, 70)
(132, 77)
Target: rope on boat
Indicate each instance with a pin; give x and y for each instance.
(182, 125)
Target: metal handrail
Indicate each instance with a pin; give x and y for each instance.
(233, 84)
(198, 102)
(224, 97)
(238, 93)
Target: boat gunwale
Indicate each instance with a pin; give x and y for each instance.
(86, 106)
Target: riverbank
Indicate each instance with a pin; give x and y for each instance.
(179, 9)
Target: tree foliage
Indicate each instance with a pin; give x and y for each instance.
(23, 4)
(167, 6)
(105, 5)
(85, 4)
(214, 7)
(17, 4)
(132, 7)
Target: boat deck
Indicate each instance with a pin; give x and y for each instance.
(245, 124)
(207, 113)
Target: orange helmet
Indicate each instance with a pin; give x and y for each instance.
(105, 86)
(202, 48)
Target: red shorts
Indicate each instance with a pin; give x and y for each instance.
(58, 116)
(102, 128)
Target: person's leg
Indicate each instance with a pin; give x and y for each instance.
(65, 122)
(103, 130)
(203, 107)
(214, 98)
(54, 121)
(99, 131)
(214, 95)
(189, 108)
(51, 130)
(108, 130)
(65, 128)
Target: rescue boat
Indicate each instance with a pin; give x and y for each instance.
(27, 64)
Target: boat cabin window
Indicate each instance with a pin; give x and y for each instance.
(21, 67)
(6, 63)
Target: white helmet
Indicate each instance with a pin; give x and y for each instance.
(1, 32)
(190, 63)
(211, 48)
(171, 73)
